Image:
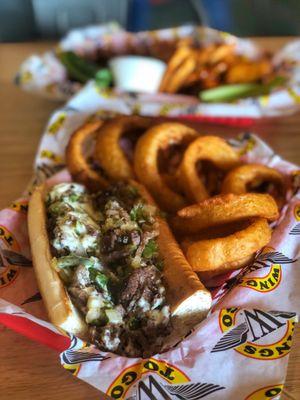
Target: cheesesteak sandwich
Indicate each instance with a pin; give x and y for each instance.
(109, 269)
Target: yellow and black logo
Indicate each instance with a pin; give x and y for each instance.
(294, 95)
(244, 143)
(296, 228)
(50, 155)
(78, 353)
(8, 271)
(162, 381)
(20, 206)
(166, 108)
(248, 146)
(255, 333)
(265, 283)
(297, 212)
(73, 369)
(55, 126)
(106, 93)
(265, 393)
(132, 374)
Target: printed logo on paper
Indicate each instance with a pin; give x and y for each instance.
(8, 269)
(106, 93)
(24, 77)
(244, 143)
(166, 108)
(56, 125)
(73, 369)
(50, 155)
(20, 206)
(44, 171)
(161, 381)
(297, 212)
(268, 258)
(266, 283)
(294, 95)
(79, 353)
(32, 299)
(255, 333)
(267, 392)
(296, 228)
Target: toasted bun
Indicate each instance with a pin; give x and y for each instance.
(189, 300)
(60, 309)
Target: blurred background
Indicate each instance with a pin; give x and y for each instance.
(23, 20)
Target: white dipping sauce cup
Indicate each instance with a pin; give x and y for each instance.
(137, 74)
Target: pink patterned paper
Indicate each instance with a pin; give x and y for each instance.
(240, 351)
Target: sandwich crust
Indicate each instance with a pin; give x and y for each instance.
(189, 300)
(58, 304)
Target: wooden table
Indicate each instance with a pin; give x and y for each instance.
(27, 369)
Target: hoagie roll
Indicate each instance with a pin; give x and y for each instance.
(109, 269)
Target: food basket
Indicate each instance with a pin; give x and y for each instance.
(46, 75)
(240, 351)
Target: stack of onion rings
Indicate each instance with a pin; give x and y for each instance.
(146, 161)
(217, 255)
(224, 209)
(205, 148)
(77, 163)
(108, 151)
(229, 230)
(218, 234)
(252, 178)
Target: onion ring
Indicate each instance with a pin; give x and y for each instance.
(108, 151)
(146, 161)
(248, 178)
(223, 209)
(223, 253)
(241, 263)
(206, 148)
(172, 181)
(77, 163)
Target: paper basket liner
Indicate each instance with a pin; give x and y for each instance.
(45, 74)
(240, 351)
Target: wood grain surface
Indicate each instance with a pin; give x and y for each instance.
(29, 370)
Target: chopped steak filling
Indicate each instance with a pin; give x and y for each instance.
(105, 250)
